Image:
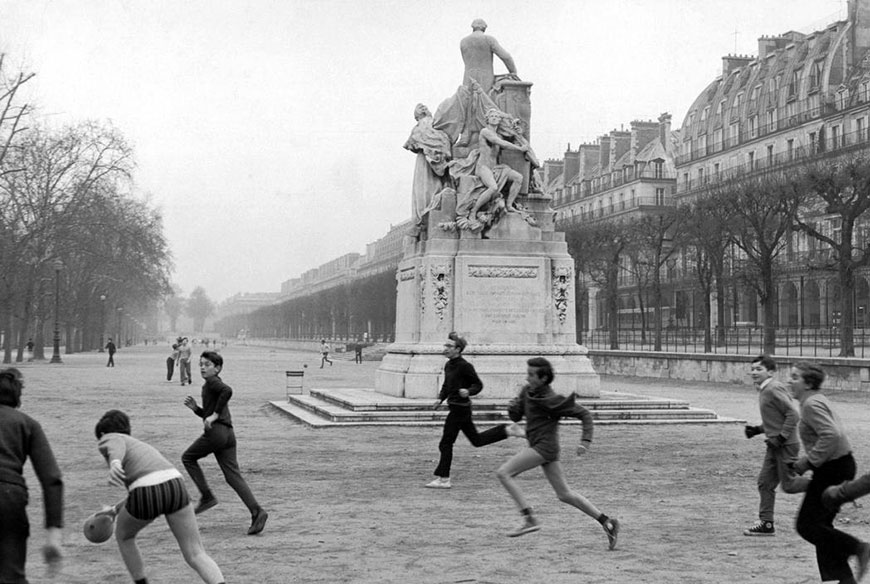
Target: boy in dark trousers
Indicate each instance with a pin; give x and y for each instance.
(219, 439)
(461, 382)
(542, 407)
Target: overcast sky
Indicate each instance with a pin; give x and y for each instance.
(269, 133)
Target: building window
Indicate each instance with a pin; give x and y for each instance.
(753, 95)
(860, 129)
(632, 202)
(738, 101)
(835, 136)
(686, 182)
(717, 139)
(720, 107)
(733, 134)
(622, 201)
(842, 99)
(793, 84)
(815, 75)
(658, 167)
(660, 196)
(814, 143)
(701, 176)
(790, 147)
(753, 127)
(864, 93)
(771, 120)
(751, 156)
(716, 171)
(704, 113)
(770, 155)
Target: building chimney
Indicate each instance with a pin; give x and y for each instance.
(604, 153)
(731, 62)
(664, 128)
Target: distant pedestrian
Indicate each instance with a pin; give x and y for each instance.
(218, 438)
(357, 352)
(829, 456)
(460, 383)
(155, 488)
(324, 353)
(110, 347)
(170, 362)
(779, 421)
(542, 408)
(184, 361)
(30, 346)
(21, 437)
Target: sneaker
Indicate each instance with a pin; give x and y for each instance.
(258, 522)
(611, 528)
(515, 430)
(439, 483)
(528, 525)
(764, 528)
(205, 504)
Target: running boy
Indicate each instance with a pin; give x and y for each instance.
(155, 488)
(779, 421)
(542, 407)
(461, 382)
(219, 439)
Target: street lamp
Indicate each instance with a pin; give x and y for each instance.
(55, 357)
(102, 348)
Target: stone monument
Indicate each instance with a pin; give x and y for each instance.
(483, 257)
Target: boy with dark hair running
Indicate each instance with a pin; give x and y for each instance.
(779, 421)
(219, 439)
(461, 382)
(542, 408)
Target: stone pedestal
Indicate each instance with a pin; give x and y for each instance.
(511, 296)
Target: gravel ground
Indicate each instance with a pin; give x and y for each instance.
(348, 504)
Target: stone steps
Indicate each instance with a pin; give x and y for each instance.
(359, 407)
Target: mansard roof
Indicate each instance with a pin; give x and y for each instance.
(799, 67)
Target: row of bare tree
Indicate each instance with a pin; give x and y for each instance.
(737, 227)
(74, 239)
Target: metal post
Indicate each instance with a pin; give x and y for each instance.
(55, 357)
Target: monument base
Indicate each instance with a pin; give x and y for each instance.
(417, 371)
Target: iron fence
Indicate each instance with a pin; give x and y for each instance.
(741, 340)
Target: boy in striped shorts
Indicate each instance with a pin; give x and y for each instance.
(154, 488)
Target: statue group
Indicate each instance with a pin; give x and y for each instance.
(461, 148)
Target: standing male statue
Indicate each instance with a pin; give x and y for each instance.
(477, 50)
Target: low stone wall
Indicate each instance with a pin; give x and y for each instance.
(846, 374)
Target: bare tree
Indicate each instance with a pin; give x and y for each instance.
(199, 307)
(598, 250)
(706, 239)
(758, 211)
(837, 191)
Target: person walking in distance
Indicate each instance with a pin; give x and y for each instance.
(324, 353)
(184, 362)
(110, 348)
(460, 383)
(155, 488)
(218, 438)
(779, 421)
(170, 362)
(829, 455)
(542, 408)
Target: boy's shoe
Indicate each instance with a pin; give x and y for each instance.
(439, 483)
(515, 430)
(611, 528)
(258, 522)
(205, 505)
(762, 528)
(528, 525)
